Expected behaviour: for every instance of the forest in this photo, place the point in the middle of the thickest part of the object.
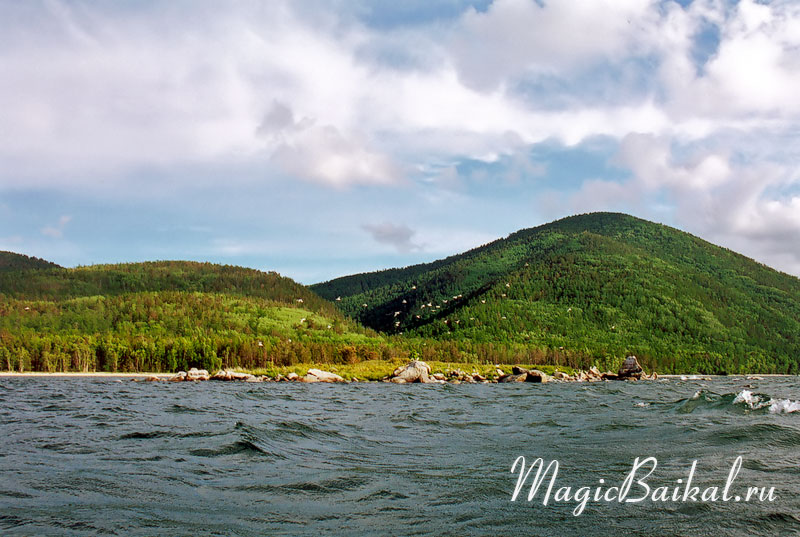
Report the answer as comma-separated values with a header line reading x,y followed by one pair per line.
x,y
594,287
582,291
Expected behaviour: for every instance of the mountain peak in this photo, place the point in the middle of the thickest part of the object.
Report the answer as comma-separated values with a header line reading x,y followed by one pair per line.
x,y
589,286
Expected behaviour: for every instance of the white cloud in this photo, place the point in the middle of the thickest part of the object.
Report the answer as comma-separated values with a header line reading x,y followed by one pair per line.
x,y
514,37
396,235
57,231
96,96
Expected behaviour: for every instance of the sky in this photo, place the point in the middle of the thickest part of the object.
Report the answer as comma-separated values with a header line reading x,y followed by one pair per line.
x,y
320,138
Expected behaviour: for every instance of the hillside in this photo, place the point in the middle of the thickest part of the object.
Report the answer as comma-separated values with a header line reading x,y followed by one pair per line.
x,y
589,288
9,261
166,315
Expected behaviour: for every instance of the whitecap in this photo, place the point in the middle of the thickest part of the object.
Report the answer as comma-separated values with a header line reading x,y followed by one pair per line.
x,y
753,401
783,406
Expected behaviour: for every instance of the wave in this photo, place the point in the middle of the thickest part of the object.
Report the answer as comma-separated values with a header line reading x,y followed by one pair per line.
x,y
757,402
745,401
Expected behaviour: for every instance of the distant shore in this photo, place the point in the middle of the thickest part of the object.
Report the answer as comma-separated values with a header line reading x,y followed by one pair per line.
x,y
33,374
81,374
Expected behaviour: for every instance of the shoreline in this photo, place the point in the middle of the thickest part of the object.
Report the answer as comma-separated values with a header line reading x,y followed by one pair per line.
x,y
80,374
99,374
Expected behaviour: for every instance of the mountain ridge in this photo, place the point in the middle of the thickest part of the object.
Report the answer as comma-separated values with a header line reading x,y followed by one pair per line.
x,y
597,284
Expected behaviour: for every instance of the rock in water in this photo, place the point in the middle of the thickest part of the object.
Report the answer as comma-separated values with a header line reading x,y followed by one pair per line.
x,y
414,371
630,368
522,377
534,375
197,374
317,375
227,374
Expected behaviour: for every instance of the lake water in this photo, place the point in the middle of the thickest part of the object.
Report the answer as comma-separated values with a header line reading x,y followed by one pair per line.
x,y
103,457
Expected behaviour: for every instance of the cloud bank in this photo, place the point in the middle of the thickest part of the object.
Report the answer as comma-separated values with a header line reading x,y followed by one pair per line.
x,y
696,100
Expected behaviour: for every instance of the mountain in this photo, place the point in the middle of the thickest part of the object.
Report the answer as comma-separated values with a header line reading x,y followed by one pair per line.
x,y
166,315
592,287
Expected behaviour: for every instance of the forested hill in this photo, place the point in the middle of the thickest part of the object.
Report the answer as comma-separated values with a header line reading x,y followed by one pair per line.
x,y
9,261
164,316
595,285
51,282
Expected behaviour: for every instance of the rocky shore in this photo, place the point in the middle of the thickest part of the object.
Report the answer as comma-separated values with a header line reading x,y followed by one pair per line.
x,y
417,371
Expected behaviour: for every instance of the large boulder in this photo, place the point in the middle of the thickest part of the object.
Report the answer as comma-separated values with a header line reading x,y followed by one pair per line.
x,y
630,369
317,375
534,375
414,371
178,377
520,374
197,374
521,377
227,374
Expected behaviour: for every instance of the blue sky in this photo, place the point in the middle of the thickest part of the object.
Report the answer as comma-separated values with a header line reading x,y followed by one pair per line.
x,y
321,138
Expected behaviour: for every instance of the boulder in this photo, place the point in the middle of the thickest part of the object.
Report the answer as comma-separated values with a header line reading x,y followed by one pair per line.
x,y
439,376
152,378
221,375
630,368
517,370
317,375
197,374
180,376
522,377
227,374
292,376
534,375
414,371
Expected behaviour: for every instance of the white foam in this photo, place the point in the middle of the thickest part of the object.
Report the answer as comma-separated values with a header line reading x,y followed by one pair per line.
x,y
783,406
776,406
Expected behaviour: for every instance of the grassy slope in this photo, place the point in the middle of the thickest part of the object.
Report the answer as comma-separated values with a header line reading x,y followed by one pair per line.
x,y
599,284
